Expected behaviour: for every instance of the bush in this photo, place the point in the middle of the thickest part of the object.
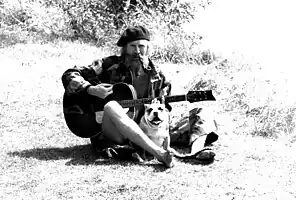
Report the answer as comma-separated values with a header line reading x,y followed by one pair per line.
x,y
101,23
26,20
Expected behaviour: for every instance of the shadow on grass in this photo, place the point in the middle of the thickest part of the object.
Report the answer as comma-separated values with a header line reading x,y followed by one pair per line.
x,y
83,155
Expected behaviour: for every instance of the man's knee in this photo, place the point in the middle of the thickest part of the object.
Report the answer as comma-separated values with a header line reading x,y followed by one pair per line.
x,y
111,106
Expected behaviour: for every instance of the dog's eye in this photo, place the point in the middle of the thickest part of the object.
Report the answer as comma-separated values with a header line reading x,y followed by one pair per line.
x,y
149,110
160,108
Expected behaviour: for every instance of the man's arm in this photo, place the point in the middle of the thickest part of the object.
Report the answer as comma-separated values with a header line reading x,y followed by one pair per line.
x,y
166,86
80,78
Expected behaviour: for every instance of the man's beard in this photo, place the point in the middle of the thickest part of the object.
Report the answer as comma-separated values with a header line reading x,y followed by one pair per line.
x,y
137,63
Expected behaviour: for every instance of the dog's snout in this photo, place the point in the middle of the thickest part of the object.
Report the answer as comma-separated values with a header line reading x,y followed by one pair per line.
x,y
155,114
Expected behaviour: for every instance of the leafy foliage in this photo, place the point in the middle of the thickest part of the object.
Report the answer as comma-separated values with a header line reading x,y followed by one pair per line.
x,y
101,23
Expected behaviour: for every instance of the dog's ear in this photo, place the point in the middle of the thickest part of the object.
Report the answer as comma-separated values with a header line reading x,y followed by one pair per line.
x,y
146,106
162,100
168,107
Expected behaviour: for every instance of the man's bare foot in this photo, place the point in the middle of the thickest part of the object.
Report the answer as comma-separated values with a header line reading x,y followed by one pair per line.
x,y
166,158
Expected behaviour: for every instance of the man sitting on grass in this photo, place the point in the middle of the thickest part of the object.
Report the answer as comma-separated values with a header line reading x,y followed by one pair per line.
x,y
133,67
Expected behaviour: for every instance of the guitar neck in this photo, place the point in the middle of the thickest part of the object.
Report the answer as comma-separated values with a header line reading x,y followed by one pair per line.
x,y
138,102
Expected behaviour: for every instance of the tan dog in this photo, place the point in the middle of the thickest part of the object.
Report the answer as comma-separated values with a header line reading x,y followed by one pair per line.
x,y
155,124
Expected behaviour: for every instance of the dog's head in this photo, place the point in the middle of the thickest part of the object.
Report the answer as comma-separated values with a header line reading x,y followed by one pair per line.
x,y
156,113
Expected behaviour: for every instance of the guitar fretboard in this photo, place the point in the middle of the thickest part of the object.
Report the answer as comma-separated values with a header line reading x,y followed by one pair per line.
x,y
138,102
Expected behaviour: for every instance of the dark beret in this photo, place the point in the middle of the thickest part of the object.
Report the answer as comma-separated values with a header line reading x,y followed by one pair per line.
x,y
132,34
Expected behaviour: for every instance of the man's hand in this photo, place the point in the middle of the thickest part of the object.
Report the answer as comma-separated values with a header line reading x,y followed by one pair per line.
x,y
101,90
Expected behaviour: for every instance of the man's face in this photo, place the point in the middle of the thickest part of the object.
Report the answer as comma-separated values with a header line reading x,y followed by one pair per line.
x,y
137,48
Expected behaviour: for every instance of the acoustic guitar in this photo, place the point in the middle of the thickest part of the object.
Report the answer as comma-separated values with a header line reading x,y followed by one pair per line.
x,y
83,112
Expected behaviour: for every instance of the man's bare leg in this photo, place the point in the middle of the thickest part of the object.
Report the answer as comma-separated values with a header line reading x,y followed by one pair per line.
x,y
118,127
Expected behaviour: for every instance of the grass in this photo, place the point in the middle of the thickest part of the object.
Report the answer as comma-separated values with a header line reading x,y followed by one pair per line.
x,y
42,159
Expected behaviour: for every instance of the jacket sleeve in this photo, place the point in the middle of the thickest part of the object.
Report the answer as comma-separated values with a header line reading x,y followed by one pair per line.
x,y
166,86
166,90
77,79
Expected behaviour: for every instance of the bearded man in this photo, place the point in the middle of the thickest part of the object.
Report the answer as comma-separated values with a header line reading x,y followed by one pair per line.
x,y
133,67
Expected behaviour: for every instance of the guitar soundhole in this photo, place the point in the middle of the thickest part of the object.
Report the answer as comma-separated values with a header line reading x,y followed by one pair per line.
x,y
122,91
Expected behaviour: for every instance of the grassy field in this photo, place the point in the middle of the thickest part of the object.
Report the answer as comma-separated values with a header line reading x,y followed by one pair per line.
x,y
42,159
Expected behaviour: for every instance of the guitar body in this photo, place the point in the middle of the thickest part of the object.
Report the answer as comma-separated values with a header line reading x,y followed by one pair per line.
x,y
80,110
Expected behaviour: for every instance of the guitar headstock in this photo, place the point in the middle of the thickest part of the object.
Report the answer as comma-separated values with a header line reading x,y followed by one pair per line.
x,y
195,96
